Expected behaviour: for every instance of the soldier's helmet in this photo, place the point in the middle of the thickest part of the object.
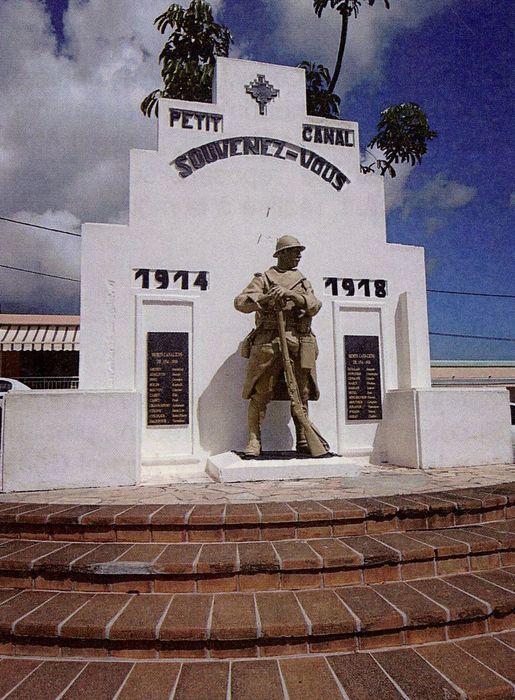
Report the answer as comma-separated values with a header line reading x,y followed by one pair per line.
x,y
287,242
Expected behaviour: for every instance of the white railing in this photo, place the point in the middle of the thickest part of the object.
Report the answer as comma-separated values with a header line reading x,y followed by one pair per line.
x,y
50,382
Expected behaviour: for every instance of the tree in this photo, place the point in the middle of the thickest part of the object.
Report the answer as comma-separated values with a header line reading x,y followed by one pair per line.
x,y
403,130
402,134
320,101
346,8
189,54
195,40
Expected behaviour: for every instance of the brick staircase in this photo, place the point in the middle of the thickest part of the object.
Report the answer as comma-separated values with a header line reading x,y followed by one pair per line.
x,y
391,597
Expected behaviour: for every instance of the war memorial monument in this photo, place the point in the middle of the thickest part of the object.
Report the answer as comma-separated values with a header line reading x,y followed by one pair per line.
x,y
163,382
251,319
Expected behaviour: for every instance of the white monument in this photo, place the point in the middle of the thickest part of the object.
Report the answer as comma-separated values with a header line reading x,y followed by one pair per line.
x,y
158,326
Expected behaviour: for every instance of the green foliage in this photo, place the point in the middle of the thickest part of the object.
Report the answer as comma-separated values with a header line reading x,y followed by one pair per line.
x,y
195,39
320,102
403,131
402,134
189,54
344,7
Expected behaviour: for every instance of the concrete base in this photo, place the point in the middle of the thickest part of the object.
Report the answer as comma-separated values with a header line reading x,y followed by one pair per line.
x,y
70,439
431,428
229,467
187,469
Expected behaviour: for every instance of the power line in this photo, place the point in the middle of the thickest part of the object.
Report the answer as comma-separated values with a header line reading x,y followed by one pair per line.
x,y
43,274
45,228
447,335
480,337
435,291
472,294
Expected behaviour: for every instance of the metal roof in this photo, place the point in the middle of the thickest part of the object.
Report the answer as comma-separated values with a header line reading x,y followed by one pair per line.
x,y
472,363
31,332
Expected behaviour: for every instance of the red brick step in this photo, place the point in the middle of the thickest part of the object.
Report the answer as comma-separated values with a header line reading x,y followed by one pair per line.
x,y
474,668
251,566
265,623
258,521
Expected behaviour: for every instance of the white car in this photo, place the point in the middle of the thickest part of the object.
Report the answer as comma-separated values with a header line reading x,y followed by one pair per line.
x,y
10,384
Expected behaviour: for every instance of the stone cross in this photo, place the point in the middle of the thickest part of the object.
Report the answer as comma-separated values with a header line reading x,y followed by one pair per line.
x,y
262,91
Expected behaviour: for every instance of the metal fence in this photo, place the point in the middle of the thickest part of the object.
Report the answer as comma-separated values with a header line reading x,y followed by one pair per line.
x,y
50,382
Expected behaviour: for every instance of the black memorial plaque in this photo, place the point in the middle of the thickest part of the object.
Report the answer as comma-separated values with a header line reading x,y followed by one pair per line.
x,y
168,396
363,377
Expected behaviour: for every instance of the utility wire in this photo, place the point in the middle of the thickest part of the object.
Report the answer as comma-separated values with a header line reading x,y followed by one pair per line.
x,y
480,337
43,274
472,294
45,228
435,291
447,335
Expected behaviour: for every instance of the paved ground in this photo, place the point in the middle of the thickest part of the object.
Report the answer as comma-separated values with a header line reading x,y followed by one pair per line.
x,y
197,487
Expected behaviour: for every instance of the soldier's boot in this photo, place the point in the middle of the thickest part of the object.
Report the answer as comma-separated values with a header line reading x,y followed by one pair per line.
x,y
256,416
301,442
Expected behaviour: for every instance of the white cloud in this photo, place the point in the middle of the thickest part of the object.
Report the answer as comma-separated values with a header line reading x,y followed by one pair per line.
x,y
437,193
63,220
69,117
43,252
308,37
434,223
395,188
437,196
68,121
241,49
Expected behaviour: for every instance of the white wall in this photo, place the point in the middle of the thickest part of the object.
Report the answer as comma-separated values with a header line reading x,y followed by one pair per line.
x,y
224,218
431,428
69,439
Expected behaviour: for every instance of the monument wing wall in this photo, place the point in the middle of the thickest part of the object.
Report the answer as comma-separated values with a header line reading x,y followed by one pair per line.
x,y
227,179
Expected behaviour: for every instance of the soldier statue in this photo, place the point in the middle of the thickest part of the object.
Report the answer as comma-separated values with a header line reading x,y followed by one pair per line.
x,y
282,287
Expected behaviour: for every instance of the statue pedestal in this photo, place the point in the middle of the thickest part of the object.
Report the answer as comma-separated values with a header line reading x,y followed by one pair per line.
x,y
276,466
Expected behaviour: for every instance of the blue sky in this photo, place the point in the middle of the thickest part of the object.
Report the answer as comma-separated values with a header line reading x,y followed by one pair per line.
x,y
95,60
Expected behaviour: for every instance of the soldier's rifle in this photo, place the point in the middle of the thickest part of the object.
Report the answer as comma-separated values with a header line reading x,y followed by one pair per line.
x,y
316,443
